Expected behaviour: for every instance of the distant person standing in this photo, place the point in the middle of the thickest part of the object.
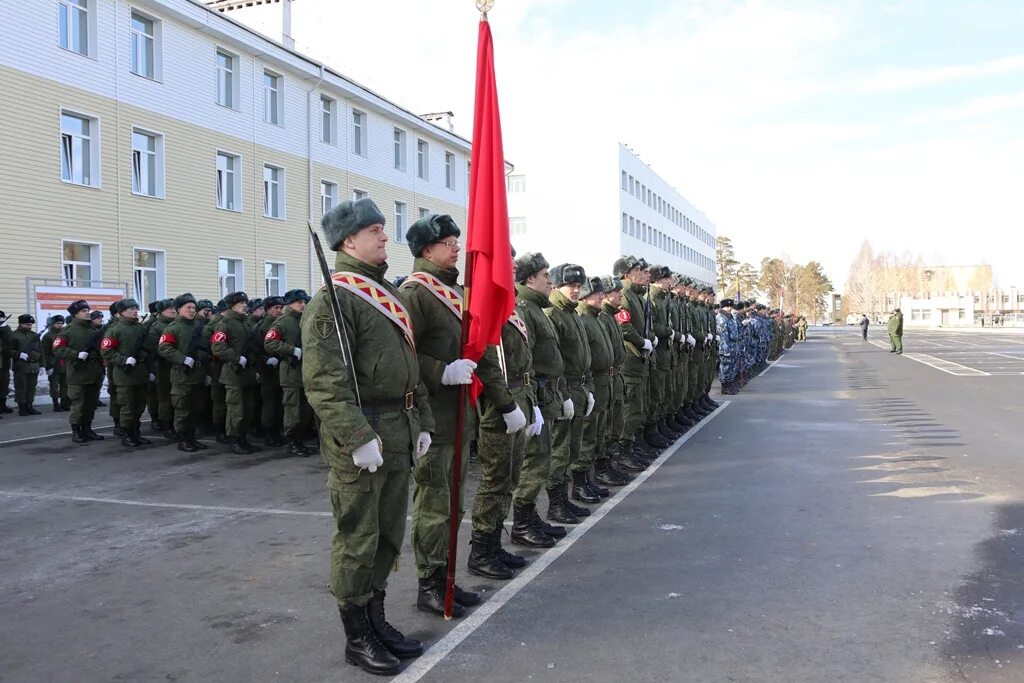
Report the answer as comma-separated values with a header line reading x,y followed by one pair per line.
x,y
896,331
864,322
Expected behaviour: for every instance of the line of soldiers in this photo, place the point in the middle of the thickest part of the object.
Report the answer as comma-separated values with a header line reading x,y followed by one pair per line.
x,y
593,379
751,335
234,369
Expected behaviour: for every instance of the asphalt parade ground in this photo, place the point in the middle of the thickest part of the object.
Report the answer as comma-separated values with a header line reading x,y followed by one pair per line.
x,y
851,515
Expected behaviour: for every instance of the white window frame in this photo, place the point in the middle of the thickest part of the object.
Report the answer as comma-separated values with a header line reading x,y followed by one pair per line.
x,y
238,275
273,98
359,122
328,120
424,212
422,159
159,271
67,147
449,170
236,185
328,190
95,263
67,10
401,221
232,89
281,279
137,38
279,188
358,194
399,136
516,184
158,163
517,225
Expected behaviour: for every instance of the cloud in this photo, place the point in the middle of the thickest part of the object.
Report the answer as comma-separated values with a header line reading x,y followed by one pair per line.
x,y
974,108
895,80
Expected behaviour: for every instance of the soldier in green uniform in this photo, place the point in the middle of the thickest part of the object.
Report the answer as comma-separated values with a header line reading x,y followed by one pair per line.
x,y
895,328
158,370
152,401
124,350
602,359
5,363
257,317
801,329
180,346
218,408
232,344
55,372
707,376
79,346
661,318
114,405
375,421
611,312
283,341
433,298
201,417
533,288
25,353
269,409
685,342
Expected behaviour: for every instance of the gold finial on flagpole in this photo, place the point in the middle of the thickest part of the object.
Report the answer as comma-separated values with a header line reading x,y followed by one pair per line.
x,y
484,6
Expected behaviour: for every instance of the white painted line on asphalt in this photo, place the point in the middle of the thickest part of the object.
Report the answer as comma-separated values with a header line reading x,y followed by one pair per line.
x,y
439,650
938,363
173,506
1004,355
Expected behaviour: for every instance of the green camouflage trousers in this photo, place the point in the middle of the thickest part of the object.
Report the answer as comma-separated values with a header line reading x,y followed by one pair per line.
x,y
501,457
270,405
431,500
634,407
131,400
25,387
693,374
58,386
114,404
297,413
680,381
567,439
241,408
896,342
183,401
613,419
659,391
84,398
592,443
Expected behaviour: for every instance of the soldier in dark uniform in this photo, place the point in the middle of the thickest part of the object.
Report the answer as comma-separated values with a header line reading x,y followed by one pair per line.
x,y
375,421
181,347
619,454
160,370
25,353
283,341
124,351
56,375
232,343
5,363
79,346
269,411
201,417
218,408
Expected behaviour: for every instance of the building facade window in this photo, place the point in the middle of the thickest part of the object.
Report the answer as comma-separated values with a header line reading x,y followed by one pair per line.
x,y
517,225
422,157
401,220
230,276
145,46
516,184
74,25
328,120
399,137
449,170
80,263
625,223
424,212
227,79
328,195
147,163
273,192
273,98
625,180
229,182
149,275
358,133
275,281
359,194
79,149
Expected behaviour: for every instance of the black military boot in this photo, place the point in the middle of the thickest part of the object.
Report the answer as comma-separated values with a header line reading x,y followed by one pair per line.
x,y
239,446
297,449
389,636
713,402
137,433
89,434
525,531
691,412
558,511
65,403
32,409
128,438
580,490
466,598
362,648
169,433
655,440
681,418
577,510
595,488
4,408
483,559
670,434
626,461
250,445
508,559
553,530
607,475
193,442
76,434
185,445
56,406
430,597
275,439
22,410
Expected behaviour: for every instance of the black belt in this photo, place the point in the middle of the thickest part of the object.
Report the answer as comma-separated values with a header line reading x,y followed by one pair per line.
x,y
519,383
603,373
389,405
576,382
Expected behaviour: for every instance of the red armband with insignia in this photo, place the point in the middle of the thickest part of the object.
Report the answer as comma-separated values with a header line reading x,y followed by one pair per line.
x,y
167,338
219,336
59,342
109,343
271,335
623,317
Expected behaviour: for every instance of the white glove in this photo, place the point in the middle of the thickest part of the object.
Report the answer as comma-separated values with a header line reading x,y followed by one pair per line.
x,y
690,340
189,361
422,444
130,361
568,409
297,352
538,423
272,362
49,372
514,421
655,341
23,356
458,372
152,377
746,321
648,347
368,457
83,355
242,361
672,336
209,380
590,404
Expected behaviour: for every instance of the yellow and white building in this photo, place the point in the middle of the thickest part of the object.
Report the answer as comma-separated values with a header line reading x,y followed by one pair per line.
x,y
161,146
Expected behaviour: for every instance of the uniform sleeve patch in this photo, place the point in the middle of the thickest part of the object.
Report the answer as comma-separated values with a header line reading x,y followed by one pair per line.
x,y
59,342
324,326
218,336
623,317
108,343
168,338
272,335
